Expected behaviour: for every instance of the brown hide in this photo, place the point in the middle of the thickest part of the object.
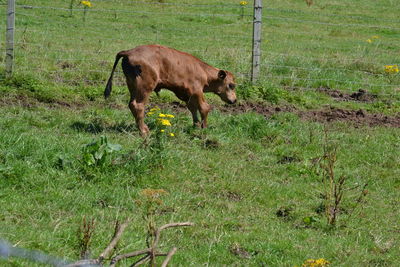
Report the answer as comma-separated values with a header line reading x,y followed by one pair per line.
x,y
150,68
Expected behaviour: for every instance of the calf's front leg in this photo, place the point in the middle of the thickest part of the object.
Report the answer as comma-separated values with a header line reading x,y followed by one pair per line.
x,y
204,109
193,108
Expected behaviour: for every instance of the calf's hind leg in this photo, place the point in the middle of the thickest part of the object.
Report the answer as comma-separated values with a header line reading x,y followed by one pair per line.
x,y
139,97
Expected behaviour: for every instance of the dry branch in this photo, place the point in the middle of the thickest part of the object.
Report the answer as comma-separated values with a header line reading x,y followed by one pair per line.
x,y
149,254
119,229
169,256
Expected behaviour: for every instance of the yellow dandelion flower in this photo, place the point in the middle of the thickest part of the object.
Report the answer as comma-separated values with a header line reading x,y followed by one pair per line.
x,y
86,3
315,263
243,3
369,41
161,115
164,122
150,113
154,109
171,134
162,131
375,37
391,68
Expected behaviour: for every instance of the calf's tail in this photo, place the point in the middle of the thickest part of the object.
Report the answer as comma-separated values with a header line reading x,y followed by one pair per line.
x,y
108,89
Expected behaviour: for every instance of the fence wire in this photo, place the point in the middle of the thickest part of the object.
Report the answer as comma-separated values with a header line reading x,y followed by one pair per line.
x,y
300,48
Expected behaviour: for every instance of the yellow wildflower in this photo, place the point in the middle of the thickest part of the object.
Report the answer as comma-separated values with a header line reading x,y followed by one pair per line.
x,y
171,134
86,3
369,41
391,68
375,37
161,115
162,130
243,3
150,113
164,122
154,109
316,263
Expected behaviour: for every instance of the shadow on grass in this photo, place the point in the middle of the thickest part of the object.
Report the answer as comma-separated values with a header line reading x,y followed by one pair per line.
x,y
96,127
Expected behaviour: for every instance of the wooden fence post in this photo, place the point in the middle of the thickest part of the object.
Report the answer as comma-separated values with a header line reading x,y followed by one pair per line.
x,y
256,58
10,37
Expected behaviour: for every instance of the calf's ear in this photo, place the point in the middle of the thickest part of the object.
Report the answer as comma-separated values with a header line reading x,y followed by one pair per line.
x,y
221,74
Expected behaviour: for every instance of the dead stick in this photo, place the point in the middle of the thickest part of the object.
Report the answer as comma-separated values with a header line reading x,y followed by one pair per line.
x,y
128,255
169,256
141,261
158,231
117,236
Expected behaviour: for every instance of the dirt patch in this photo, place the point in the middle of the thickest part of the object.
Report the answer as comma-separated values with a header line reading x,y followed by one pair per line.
x,y
355,117
260,108
325,115
361,95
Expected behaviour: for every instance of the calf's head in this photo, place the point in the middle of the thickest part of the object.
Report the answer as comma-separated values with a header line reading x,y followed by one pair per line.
x,y
224,87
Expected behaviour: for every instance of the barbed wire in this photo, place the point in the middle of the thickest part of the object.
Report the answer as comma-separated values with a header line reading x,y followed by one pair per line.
x,y
183,4
272,76
335,15
366,83
311,22
161,37
239,22
119,81
216,14
189,36
99,51
131,11
324,57
271,64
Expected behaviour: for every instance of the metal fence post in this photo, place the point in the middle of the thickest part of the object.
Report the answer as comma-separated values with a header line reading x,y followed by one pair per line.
x,y
256,57
10,37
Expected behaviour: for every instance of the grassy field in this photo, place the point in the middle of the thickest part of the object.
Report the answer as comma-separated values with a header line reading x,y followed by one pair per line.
x,y
254,186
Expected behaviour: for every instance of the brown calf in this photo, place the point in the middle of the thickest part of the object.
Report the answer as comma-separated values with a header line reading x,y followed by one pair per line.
x,y
150,68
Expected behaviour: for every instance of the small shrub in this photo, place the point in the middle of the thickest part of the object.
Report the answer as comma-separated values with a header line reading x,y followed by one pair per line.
x,y
97,152
334,185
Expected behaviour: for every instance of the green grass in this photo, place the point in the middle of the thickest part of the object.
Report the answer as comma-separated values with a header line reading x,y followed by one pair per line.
x,y
230,179
231,190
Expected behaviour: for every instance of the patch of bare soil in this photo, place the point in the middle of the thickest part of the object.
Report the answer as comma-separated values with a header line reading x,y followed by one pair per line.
x,y
361,95
260,108
326,114
355,117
